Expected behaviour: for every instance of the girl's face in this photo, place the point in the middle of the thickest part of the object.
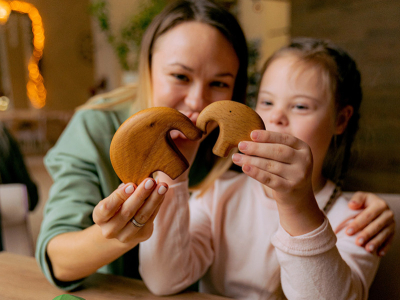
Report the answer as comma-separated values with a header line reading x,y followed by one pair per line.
x,y
293,99
193,65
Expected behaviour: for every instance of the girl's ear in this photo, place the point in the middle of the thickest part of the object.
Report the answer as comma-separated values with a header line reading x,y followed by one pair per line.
x,y
343,119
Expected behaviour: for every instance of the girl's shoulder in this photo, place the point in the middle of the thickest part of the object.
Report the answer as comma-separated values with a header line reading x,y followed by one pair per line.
x,y
340,214
240,184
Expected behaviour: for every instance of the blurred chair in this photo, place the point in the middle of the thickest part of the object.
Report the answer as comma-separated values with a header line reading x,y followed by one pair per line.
x,y
387,280
16,234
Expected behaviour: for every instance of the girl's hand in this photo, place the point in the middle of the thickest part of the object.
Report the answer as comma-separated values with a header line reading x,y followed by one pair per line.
x,y
279,161
284,164
376,222
114,214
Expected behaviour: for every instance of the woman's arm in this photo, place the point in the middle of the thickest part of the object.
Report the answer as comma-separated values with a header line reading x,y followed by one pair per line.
x,y
80,167
78,254
376,223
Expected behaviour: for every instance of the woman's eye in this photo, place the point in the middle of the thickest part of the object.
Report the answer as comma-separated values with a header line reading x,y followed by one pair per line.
x,y
181,77
219,84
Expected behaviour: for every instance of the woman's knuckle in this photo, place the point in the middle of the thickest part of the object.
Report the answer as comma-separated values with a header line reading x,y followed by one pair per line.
x,y
125,214
142,217
108,234
123,239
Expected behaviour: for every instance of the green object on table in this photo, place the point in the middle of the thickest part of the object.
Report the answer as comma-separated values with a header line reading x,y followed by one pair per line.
x,y
68,297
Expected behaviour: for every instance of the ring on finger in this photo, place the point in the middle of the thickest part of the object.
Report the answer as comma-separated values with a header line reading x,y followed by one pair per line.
x,y
136,223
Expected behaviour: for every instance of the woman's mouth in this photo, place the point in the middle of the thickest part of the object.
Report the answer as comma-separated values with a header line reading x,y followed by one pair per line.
x,y
175,134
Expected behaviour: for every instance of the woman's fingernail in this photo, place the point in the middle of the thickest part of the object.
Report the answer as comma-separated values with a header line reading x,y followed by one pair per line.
x,y
371,248
162,190
236,158
242,146
129,189
149,184
246,168
254,135
382,253
350,231
360,241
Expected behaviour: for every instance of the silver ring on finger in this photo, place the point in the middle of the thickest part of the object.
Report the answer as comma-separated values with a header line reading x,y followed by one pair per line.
x,y
136,223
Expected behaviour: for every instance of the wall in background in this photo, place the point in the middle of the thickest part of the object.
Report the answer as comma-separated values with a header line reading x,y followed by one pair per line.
x,y
267,21
107,66
370,31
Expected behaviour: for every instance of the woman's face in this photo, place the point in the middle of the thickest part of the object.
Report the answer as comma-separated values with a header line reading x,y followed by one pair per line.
x,y
193,65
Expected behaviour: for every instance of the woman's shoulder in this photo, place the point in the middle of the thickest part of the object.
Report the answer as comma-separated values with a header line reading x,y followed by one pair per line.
x,y
102,117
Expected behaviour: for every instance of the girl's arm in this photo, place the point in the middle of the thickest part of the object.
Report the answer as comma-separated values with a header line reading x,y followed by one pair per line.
x,y
311,265
78,254
283,164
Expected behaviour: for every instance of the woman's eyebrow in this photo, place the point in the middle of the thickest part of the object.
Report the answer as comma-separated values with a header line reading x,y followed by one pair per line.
x,y
182,66
225,74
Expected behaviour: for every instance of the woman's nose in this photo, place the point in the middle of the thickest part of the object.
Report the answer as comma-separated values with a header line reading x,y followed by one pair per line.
x,y
196,98
279,117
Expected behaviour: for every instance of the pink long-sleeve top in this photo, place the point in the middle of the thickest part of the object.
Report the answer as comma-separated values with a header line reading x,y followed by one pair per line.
x,y
232,241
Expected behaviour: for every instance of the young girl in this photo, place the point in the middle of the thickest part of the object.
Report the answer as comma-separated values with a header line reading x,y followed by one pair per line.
x,y
263,234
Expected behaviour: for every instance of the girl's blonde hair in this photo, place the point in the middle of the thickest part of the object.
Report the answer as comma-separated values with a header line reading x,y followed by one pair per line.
x,y
178,12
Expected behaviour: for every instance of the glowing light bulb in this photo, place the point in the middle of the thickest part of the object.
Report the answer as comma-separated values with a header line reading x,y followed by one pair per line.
x,y
5,11
4,102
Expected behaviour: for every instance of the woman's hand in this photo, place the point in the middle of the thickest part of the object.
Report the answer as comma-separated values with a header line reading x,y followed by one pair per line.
x,y
283,163
376,222
117,213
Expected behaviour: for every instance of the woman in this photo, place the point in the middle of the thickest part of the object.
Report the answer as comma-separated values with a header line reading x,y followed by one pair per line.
x,y
193,53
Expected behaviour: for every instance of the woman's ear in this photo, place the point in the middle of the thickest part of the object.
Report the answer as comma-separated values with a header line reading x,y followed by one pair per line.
x,y
343,118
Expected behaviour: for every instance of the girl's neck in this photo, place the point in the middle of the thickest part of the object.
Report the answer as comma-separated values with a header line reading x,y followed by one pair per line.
x,y
318,185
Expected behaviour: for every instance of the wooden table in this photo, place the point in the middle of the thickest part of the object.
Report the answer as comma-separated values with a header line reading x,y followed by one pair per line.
x,y
21,278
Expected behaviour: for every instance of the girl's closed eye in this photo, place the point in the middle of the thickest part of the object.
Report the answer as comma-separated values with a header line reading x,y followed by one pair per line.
x,y
301,107
266,102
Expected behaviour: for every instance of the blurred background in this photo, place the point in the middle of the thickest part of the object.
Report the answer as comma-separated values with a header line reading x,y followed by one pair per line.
x,y
54,55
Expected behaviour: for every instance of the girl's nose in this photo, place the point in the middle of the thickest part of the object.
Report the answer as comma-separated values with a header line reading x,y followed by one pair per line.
x,y
278,117
196,99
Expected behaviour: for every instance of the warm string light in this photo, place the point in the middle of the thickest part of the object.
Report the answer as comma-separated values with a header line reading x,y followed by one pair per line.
x,y
5,11
35,88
